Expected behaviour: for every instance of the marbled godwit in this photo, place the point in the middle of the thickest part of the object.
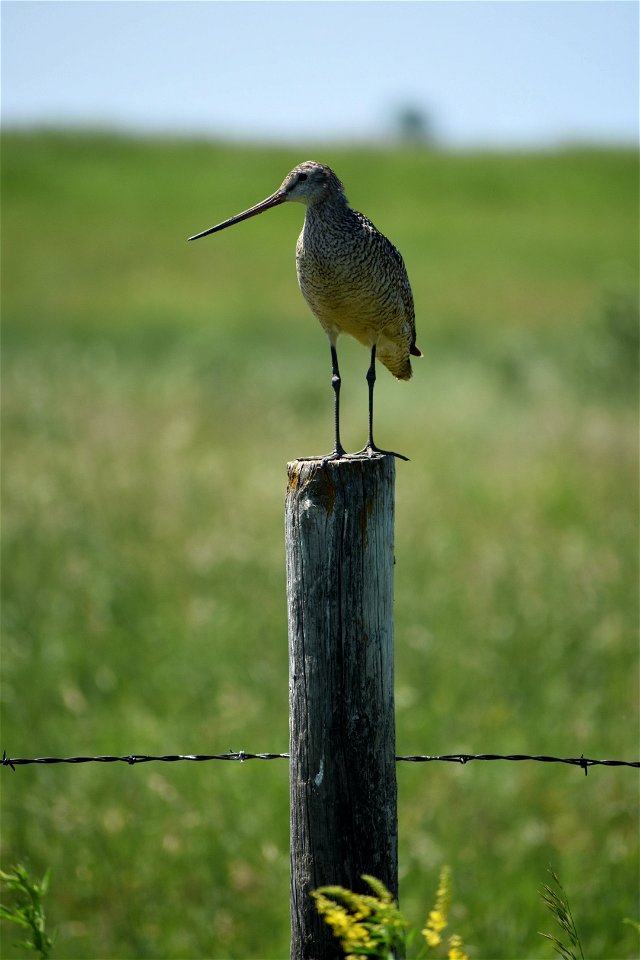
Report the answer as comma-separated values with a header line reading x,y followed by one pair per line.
x,y
352,277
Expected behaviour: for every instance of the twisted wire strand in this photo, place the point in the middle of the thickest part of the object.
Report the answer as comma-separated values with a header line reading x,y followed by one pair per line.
x,y
241,756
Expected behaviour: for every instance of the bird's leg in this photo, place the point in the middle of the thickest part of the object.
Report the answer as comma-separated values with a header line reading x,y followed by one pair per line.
x,y
371,449
338,450
371,380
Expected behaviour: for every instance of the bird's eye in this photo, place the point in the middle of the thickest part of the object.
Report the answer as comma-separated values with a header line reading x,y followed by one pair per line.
x,y
301,177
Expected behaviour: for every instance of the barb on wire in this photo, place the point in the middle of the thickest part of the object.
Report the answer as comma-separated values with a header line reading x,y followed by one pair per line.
x,y
240,755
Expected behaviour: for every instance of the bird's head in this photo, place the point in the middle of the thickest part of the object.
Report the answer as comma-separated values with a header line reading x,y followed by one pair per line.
x,y
307,183
310,182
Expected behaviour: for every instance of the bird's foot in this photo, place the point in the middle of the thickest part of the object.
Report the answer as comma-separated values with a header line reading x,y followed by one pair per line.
x,y
371,451
338,454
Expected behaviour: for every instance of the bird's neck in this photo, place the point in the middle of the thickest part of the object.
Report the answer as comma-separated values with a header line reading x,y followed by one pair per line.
x,y
329,213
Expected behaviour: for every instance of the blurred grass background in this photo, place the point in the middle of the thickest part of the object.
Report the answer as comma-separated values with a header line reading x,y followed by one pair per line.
x,y
153,391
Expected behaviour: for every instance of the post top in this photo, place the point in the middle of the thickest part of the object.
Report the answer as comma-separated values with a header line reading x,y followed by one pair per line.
x,y
353,473
340,462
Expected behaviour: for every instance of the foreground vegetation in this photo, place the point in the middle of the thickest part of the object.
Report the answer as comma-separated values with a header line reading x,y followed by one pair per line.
x,y
153,391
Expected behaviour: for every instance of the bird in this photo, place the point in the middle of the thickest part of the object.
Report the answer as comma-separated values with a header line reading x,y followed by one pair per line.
x,y
353,279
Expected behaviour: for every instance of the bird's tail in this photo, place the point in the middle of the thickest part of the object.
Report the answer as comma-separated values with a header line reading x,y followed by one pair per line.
x,y
400,367
397,361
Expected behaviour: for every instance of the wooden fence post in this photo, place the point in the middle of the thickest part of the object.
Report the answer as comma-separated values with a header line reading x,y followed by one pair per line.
x,y
339,540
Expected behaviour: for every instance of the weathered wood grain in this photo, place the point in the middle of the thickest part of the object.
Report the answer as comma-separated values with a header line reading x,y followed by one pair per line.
x,y
339,543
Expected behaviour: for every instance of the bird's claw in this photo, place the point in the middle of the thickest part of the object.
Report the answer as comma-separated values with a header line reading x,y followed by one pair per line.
x,y
338,454
371,451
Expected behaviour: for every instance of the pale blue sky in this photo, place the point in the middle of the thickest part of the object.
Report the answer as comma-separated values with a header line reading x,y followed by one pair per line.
x,y
491,73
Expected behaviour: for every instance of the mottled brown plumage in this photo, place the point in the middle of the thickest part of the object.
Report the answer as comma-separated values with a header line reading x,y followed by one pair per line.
x,y
352,277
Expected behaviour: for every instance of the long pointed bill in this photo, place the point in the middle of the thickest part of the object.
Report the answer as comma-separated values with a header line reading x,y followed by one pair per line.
x,y
273,201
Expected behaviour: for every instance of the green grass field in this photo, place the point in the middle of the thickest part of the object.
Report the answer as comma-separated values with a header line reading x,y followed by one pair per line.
x,y
153,391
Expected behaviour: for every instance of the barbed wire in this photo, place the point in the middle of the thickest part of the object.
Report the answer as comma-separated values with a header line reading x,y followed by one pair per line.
x,y
241,756
583,762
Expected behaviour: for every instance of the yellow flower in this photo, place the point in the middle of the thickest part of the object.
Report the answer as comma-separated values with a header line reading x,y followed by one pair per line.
x,y
373,925
437,919
378,887
339,920
456,948
443,896
364,924
352,934
432,939
356,936
363,911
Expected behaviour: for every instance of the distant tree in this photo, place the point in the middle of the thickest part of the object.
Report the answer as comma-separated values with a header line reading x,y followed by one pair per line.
x,y
414,125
